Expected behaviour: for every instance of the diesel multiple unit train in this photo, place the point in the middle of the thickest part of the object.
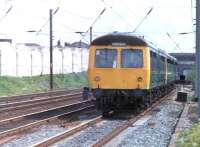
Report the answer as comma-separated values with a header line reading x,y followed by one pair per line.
x,y
124,70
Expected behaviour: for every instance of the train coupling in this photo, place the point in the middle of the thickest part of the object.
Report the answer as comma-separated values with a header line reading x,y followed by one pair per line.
x,y
86,93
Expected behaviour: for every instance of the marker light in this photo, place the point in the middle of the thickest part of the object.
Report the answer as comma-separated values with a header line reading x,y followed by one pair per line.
x,y
97,78
139,79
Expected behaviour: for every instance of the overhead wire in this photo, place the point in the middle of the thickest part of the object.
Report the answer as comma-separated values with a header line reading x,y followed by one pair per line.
x,y
6,13
148,13
86,32
121,17
77,15
176,44
98,17
57,9
70,28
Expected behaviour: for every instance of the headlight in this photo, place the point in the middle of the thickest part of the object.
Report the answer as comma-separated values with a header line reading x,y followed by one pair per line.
x,y
139,79
97,78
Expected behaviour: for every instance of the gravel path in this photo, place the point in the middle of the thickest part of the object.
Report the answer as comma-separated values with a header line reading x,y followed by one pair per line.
x,y
90,135
155,131
45,131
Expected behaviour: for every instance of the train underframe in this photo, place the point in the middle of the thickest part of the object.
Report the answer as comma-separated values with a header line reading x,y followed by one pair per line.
x,y
117,99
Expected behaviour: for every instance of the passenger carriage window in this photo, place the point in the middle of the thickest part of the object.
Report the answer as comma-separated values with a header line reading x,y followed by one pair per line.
x,y
132,58
106,58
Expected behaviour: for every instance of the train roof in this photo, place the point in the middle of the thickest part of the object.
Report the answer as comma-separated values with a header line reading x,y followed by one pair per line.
x,y
162,53
127,39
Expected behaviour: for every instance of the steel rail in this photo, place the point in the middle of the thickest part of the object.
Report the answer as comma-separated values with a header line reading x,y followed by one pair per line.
x,y
30,103
67,133
5,121
105,139
23,128
8,99
128,123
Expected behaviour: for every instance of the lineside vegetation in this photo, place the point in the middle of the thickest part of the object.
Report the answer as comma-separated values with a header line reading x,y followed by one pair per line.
x,y
190,138
24,85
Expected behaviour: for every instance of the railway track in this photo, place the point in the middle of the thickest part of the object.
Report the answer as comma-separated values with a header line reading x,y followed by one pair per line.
x,y
47,112
104,139
128,123
16,109
30,121
179,126
68,133
35,102
25,97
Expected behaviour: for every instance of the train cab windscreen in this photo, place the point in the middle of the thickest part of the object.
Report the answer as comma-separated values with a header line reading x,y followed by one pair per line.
x,y
106,58
132,58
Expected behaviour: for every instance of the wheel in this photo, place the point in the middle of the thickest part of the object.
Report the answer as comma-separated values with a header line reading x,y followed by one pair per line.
x,y
146,102
150,99
98,103
105,114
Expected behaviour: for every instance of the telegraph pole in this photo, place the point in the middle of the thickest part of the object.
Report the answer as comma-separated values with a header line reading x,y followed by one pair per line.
x,y
62,54
51,48
90,35
0,63
17,61
81,49
31,55
72,60
198,53
42,61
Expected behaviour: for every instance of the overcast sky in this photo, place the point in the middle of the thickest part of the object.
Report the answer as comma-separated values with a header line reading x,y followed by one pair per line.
x,y
168,16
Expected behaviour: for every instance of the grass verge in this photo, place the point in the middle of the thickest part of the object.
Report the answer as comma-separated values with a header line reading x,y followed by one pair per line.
x,y
190,138
23,85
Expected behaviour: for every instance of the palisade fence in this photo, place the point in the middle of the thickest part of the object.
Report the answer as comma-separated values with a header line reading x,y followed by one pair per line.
x,y
33,59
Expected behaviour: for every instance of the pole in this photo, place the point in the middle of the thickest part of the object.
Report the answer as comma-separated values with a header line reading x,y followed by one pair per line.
x,y
62,61
198,53
81,59
72,60
42,62
90,35
16,61
51,48
80,45
0,63
31,64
